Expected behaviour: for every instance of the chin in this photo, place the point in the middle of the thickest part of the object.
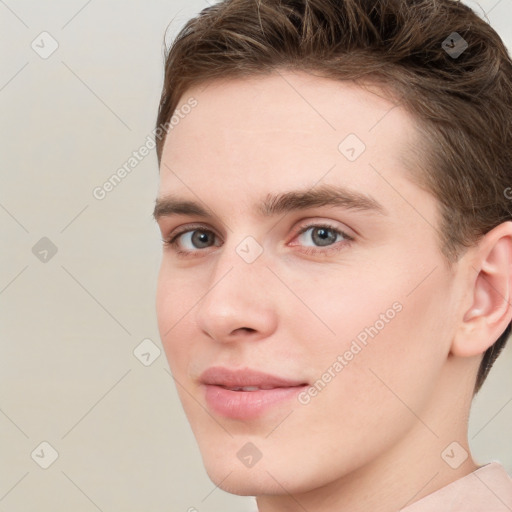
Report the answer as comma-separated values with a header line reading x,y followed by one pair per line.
x,y
254,481
277,471
243,483
238,466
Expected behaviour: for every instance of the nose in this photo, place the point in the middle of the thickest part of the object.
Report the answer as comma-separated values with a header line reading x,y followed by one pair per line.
x,y
238,303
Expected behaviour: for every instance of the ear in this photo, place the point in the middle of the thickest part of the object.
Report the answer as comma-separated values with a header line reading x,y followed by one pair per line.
x,y
490,310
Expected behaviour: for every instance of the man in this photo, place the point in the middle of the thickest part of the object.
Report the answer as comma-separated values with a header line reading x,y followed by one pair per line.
x,y
336,274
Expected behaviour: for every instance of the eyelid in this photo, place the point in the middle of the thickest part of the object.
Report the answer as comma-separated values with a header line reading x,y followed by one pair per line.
x,y
304,226
189,227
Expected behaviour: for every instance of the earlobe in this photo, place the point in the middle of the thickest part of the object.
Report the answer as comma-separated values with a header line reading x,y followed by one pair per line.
x,y
490,309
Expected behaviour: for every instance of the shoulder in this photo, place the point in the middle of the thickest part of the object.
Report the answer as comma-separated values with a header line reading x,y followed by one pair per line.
x,y
489,489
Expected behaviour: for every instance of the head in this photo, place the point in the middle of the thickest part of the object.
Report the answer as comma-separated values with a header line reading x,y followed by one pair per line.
x,y
370,99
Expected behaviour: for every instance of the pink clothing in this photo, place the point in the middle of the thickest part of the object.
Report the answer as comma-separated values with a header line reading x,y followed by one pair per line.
x,y
487,489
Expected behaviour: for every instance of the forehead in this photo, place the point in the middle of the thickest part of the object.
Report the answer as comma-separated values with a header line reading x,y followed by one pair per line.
x,y
284,130
284,101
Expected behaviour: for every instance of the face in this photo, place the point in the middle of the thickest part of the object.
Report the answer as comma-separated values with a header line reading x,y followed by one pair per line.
x,y
305,291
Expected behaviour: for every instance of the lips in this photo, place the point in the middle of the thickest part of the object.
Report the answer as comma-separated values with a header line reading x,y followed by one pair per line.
x,y
246,393
246,388
245,378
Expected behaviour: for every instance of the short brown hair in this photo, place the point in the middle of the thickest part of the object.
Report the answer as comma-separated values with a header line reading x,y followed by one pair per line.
x,y
462,103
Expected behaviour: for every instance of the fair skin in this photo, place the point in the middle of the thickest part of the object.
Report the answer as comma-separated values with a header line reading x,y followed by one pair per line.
x,y
372,438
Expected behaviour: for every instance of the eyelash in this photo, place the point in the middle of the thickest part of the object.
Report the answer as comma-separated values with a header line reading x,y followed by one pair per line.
x,y
173,241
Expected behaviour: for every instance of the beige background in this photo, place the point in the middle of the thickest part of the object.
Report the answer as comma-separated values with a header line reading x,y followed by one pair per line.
x,y
69,325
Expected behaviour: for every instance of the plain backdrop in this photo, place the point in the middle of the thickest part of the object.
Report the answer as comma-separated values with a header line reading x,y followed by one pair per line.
x,y
78,274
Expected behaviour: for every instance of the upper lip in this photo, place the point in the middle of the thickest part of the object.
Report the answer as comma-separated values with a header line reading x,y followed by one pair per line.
x,y
243,377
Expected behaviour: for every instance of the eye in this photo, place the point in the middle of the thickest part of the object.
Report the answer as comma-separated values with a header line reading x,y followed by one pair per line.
x,y
322,235
198,238
186,242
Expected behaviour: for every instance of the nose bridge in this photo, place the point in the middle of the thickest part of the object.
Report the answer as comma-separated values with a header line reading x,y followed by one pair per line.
x,y
242,257
238,295
239,271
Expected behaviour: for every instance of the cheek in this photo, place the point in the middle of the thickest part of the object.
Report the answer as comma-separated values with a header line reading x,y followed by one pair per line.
x,y
388,322
342,304
174,302
164,302
176,294
393,344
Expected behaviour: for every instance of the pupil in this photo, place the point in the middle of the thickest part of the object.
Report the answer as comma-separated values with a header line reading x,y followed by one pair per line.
x,y
324,236
201,238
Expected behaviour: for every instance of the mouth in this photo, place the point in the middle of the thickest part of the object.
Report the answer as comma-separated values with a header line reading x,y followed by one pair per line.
x,y
248,388
245,394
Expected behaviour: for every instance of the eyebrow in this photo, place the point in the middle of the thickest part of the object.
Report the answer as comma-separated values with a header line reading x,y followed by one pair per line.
x,y
277,204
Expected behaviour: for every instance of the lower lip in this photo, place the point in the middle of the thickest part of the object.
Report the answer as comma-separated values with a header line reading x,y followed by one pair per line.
x,y
244,405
